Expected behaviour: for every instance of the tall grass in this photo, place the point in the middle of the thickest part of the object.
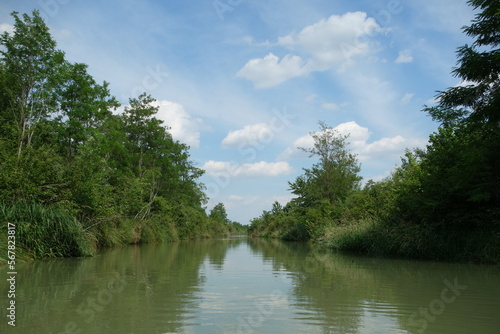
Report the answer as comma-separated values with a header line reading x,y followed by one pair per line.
x,y
45,231
126,231
51,231
413,241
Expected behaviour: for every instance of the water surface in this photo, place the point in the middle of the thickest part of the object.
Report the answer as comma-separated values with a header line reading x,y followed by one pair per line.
x,y
241,285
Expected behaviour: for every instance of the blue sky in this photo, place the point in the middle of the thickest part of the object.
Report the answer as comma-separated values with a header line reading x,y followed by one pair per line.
x,y
243,82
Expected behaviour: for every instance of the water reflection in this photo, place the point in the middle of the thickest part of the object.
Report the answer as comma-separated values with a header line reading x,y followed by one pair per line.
x,y
350,294
240,285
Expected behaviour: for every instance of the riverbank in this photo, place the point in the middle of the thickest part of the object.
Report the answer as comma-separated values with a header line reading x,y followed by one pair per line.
x,y
383,238
36,231
412,242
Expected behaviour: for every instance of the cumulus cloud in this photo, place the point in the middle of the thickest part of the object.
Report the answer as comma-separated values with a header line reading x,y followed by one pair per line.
x,y
328,43
180,124
271,71
250,135
183,127
404,57
392,147
262,168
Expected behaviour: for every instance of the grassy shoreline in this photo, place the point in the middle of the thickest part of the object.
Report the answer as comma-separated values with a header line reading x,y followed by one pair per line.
x,y
375,238
413,242
52,232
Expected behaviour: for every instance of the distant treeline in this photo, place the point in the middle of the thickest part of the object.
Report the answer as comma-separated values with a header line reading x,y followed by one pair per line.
x,y
442,203
74,174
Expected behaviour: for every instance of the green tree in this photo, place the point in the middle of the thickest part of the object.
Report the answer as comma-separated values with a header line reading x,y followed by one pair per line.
x,y
323,189
478,100
160,164
83,107
334,176
458,180
32,69
122,176
219,214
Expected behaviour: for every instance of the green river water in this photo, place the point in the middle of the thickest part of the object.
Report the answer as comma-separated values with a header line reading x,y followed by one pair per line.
x,y
241,285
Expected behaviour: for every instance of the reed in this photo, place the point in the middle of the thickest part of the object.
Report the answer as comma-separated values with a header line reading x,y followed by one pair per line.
x,y
413,241
45,231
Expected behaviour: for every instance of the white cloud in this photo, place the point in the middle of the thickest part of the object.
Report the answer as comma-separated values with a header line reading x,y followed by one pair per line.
x,y
271,71
262,168
334,40
328,43
407,98
404,57
250,135
182,126
5,27
358,140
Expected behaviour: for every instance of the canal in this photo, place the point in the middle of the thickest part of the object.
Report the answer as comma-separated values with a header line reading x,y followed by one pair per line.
x,y
242,285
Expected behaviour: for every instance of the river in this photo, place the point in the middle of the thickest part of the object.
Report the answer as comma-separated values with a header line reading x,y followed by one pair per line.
x,y
241,285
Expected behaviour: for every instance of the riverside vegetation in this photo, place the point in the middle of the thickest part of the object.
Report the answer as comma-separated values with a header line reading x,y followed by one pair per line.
x,y
441,203
74,174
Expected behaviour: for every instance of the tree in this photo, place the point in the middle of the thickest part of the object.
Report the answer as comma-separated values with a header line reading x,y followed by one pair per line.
x,y
334,176
478,100
218,213
83,106
459,183
32,65
61,145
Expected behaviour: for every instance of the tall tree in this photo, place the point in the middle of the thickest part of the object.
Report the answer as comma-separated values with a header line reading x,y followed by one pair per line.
x,y
458,184
218,213
336,173
478,99
32,64
83,106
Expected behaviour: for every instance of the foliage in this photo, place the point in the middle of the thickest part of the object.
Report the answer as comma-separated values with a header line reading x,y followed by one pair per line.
x,y
218,213
460,184
441,203
122,178
334,176
479,68
322,191
45,231
236,228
